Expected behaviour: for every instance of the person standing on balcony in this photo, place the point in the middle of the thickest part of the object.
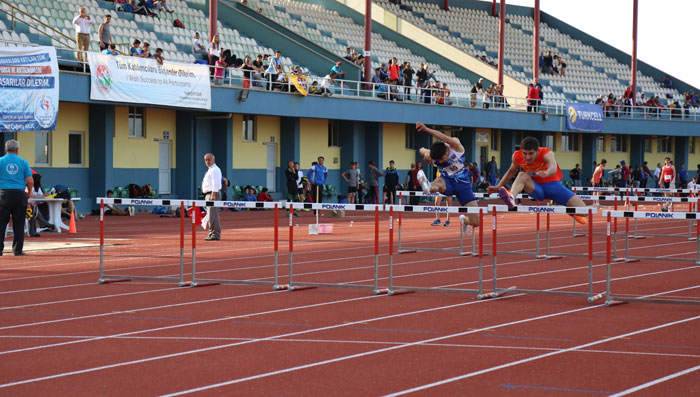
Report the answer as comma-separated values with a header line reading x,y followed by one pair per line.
x,y
104,33
82,24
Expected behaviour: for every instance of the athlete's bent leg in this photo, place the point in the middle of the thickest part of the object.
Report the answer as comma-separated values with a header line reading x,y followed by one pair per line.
x,y
438,186
522,182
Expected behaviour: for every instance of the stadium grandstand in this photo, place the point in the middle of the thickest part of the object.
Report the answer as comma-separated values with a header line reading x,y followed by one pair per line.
x,y
254,124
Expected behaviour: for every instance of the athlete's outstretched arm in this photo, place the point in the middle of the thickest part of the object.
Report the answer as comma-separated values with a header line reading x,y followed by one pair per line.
x,y
510,174
551,166
426,155
454,142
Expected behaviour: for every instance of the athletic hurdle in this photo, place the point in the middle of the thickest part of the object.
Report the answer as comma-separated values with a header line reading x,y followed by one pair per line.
x,y
440,210
612,299
110,278
293,285
399,209
496,209
198,280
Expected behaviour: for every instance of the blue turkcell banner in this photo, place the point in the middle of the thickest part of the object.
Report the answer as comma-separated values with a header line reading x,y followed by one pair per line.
x,y
584,117
28,89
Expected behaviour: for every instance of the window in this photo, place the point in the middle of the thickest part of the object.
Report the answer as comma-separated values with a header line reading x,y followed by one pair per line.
x,y
519,136
663,144
410,136
136,124
75,148
333,133
647,144
41,148
250,130
600,144
569,142
494,140
691,145
618,143
549,142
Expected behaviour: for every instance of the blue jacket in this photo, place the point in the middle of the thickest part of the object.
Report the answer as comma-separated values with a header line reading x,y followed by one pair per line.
x,y
317,174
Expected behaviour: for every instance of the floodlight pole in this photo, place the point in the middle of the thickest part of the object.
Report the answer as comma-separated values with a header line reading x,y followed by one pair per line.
x,y
213,17
493,8
536,42
501,40
368,40
446,5
635,10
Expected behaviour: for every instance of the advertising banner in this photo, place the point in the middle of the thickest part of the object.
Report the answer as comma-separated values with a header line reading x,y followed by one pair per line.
x,y
28,89
584,117
143,80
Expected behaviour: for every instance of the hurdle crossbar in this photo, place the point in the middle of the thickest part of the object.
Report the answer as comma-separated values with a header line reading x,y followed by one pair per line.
x,y
633,189
611,299
548,210
113,278
395,289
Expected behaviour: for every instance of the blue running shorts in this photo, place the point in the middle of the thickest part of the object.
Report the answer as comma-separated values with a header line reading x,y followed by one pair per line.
x,y
461,188
551,191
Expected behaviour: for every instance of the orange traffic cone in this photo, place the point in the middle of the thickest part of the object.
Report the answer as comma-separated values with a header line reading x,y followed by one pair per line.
x,y
71,228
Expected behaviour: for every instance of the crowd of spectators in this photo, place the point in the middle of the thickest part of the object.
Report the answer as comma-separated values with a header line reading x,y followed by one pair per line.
x,y
492,96
621,106
552,64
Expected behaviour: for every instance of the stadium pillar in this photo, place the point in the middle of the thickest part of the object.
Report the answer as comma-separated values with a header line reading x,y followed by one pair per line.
x,y
536,42
501,40
636,150
588,155
508,143
352,143
186,181
213,17
493,8
374,145
101,143
680,154
289,148
368,40
633,80
446,5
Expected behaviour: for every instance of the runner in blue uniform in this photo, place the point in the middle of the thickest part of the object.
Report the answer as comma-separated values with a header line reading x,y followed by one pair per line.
x,y
448,155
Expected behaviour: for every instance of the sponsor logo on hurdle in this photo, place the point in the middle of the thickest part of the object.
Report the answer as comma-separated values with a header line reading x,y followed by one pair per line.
x,y
234,204
333,206
541,209
142,202
660,198
662,215
434,209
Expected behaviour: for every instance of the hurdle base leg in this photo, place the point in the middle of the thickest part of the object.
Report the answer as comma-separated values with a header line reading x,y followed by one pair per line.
x,y
184,284
639,237
111,281
194,284
296,287
578,235
548,257
495,294
402,251
615,303
625,260
393,292
594,298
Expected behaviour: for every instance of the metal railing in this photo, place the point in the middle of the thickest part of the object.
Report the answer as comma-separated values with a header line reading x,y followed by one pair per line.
x,y
236,78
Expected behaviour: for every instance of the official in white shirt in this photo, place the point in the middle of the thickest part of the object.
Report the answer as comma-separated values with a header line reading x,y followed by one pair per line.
x,y
211,185
82,24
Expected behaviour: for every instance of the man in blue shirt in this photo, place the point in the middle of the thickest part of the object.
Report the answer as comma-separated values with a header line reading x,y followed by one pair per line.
x,y
317,175
338,70
15,177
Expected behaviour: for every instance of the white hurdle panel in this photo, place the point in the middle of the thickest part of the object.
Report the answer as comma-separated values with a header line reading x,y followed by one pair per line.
x,y
609,215
632,189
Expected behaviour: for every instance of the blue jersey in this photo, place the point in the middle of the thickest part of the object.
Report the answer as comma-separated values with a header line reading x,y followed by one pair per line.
x,y
14,171
454,166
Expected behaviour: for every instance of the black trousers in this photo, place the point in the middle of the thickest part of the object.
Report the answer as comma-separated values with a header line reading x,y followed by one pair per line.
x,y
13,203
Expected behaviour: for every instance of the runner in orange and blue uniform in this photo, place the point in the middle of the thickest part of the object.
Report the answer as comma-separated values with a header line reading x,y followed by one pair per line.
x,y
540,178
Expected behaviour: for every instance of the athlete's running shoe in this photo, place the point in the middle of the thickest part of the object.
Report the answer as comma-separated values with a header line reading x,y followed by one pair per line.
x,y
447,223
580,219
507,197
435,223
465,226
423,181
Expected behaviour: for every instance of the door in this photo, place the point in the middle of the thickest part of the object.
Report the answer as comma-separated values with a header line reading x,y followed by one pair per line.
x,y
164,167
271,166
483,157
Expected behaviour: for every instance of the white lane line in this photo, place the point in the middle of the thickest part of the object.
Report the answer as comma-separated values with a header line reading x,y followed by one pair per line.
x,y
530,359
347,342
656,381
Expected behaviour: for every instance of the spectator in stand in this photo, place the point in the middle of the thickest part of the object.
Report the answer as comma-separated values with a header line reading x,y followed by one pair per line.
x,y
247,69
408,73
158,56
82,23
325,87
393,69
273,70
575,175
548,63
683,177
258,70
532,98
338,70
317,175
624,175
162,5
600,100
492,170
135,50
667,83
447,92
145,52
562,66
383,73
104,33
541,62
264,196
374,175
198,48
348,54
111,50
214,51
477,89
540,94
488,97
421,78
391,180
